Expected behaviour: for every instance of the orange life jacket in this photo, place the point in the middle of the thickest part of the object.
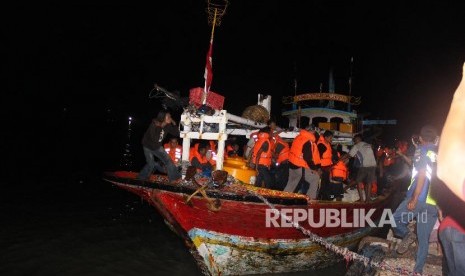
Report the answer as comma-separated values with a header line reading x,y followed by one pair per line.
x,y
284,153
175,153
194,152
326,157
265,156
339,172
296,156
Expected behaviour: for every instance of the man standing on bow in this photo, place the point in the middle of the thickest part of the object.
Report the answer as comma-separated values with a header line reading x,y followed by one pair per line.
x,y
152,143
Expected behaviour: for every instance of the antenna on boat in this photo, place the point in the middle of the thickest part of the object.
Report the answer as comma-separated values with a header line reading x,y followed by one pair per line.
x,y
159,92
350,83
216,9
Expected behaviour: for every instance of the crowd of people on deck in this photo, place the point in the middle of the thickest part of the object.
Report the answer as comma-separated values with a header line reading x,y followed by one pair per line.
x,y
312,165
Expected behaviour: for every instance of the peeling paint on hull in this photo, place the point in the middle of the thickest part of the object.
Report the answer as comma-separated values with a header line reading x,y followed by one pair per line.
x,y
235,255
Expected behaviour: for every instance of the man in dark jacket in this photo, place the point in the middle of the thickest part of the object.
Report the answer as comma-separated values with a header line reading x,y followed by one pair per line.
x,y
152,143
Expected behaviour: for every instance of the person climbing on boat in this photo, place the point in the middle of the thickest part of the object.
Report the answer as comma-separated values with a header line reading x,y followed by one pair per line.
x,y
174,150
326,156
152,141
261,159
280,161
198,158
418,202
304,162
366,173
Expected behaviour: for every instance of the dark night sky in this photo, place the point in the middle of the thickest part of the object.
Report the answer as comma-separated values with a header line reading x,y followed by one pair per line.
x,y
87,58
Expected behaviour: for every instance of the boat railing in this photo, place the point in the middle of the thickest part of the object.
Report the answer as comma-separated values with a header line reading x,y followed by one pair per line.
x,y
213,127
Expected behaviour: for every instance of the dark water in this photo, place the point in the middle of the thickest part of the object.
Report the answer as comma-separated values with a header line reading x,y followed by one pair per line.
x,y
59,218
90,228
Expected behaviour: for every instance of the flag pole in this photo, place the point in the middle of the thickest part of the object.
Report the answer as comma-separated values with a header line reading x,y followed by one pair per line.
x,y
207,89
213,27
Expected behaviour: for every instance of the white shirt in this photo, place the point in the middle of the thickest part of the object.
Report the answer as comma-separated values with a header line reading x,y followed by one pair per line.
x,y
351,195
364,153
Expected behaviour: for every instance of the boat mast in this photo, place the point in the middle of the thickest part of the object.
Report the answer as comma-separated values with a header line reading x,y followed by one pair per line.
x,y
295,78
295,93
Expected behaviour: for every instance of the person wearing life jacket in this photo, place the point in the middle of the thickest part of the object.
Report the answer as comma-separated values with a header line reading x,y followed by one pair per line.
x,y
198,158
261,159
250,144
418,202
338,174
280,161
326,157
174,150
304,162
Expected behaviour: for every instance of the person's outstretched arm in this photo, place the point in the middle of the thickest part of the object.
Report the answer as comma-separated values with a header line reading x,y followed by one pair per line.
x,y
451,154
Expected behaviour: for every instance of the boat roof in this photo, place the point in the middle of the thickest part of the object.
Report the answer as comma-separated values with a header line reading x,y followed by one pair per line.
x,y
319,111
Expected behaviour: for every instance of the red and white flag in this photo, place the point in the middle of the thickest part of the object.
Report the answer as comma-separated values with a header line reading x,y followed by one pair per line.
x,y
208,69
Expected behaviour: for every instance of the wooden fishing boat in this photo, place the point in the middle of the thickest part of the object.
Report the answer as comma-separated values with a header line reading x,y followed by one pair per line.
x,y
225,225
225,228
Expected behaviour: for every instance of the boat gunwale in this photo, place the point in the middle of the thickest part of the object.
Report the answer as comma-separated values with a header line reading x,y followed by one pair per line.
x,y
226,195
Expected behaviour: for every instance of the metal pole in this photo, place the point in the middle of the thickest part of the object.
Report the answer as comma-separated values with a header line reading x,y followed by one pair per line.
x,y
349,106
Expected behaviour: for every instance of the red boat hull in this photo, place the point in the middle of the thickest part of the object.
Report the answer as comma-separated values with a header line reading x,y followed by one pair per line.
x,y
239,230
